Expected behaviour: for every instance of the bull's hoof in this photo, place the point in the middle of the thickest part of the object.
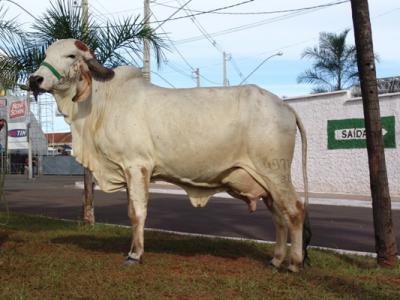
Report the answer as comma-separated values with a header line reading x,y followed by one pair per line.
x,y
132,261
293,268
275,263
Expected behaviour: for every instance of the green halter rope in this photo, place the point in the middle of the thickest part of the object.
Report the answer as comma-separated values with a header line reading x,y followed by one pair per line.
x,y
52,69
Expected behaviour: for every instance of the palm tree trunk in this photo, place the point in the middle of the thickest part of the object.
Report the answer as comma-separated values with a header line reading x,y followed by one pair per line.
x,y
385,241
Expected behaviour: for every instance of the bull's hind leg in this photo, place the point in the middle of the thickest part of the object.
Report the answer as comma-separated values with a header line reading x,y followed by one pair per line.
x,y
137,186
281,232
293,211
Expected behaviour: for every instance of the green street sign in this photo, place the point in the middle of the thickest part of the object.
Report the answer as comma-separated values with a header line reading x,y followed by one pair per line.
x,y
350,133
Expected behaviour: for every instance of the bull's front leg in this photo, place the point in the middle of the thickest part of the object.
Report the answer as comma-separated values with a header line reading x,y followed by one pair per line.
x,y
137,179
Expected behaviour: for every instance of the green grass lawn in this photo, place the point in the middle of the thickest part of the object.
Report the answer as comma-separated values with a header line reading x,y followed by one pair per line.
x,y
43,258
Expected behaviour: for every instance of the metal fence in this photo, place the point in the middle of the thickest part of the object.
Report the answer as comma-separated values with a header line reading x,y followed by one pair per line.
x,y
46,165
61,165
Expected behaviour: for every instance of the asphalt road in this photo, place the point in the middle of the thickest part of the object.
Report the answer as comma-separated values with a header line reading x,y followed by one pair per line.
x,y
349,228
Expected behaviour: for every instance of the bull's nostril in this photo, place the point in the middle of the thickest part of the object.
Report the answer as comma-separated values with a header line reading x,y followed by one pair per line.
x,y
35,81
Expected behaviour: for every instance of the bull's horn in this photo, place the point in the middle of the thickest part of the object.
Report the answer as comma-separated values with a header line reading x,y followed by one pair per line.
x,y
99,72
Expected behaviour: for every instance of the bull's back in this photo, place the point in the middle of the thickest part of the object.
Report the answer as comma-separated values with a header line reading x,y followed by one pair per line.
x,y
212,129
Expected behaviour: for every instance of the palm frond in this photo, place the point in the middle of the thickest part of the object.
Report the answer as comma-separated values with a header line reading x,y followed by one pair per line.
x,y
335,63
8,27
313,77
8,74
125,37
117,42
319,89
24,56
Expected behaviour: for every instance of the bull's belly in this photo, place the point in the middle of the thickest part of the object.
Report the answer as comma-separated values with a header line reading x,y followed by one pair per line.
x,y
236,180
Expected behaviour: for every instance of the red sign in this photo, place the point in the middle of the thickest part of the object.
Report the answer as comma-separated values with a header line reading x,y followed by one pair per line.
x,y
17,109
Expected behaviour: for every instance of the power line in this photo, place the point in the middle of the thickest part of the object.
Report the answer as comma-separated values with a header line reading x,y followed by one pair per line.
x,y
211,40
217,11
170,17
209,81
178,70
21,7
192,15
236,67
99,15
165,80
197,13
173,45
156,2
105,9
247,26
181,56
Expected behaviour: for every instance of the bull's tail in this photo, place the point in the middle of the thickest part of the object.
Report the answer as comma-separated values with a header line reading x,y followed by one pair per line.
x,y
306,225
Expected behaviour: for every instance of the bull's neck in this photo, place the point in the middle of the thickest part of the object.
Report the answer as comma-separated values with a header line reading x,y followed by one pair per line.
x,y
72,111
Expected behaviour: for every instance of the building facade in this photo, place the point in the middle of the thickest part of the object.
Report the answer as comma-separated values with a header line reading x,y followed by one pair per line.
x,y
337,154
21,123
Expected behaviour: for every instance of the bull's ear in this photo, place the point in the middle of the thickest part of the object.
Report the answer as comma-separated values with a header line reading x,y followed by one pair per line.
x,y
98,71
84,86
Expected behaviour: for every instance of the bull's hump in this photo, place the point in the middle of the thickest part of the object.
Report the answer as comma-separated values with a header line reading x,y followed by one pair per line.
x,y
127,72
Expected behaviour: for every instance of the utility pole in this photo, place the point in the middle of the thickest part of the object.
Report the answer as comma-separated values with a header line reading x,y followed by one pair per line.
x,y
39,163
29,135
385,240
146,44
85,19
225,58
88,195
197,74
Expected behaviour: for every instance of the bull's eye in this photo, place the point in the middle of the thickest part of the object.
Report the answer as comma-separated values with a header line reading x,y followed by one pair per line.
x,y
71,56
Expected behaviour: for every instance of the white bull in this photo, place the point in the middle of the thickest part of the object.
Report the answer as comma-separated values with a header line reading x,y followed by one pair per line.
x,y
206,140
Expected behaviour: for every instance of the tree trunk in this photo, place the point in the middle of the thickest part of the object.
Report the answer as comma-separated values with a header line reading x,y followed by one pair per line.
x,y
88,198
385,240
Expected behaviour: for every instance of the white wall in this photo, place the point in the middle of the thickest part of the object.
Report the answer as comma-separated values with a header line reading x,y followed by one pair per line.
x,y
341,170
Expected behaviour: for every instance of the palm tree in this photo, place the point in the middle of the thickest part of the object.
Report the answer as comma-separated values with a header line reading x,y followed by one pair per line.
x,y
335,63
9,30
118,42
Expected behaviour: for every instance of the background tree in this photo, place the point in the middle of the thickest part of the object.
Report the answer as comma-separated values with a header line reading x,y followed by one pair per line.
x,y
335,63
9,29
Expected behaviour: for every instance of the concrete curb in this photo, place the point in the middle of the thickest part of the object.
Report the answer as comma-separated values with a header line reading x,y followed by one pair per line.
x,y
211,236
170,189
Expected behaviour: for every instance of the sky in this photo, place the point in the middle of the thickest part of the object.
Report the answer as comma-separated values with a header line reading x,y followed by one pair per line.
x,y
250,33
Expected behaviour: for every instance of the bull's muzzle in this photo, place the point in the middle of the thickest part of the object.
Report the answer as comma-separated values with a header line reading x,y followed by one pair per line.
x,y
34,85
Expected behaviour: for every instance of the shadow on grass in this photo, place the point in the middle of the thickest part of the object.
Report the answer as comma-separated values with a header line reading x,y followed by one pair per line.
x,y
359,262
336,259
35,222
170,244
348,286
4,237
